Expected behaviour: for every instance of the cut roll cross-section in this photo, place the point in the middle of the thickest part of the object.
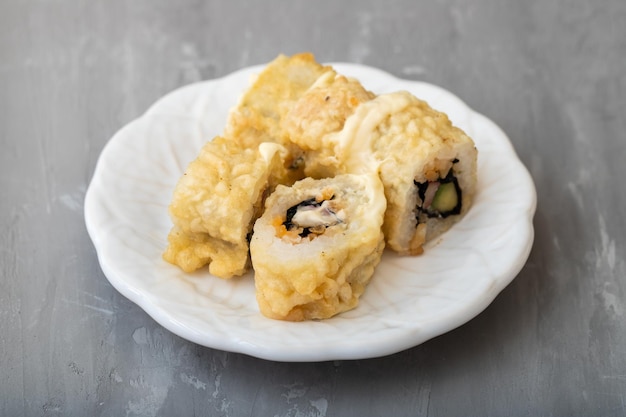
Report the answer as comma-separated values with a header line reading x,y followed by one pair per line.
x,y
315,248
428,167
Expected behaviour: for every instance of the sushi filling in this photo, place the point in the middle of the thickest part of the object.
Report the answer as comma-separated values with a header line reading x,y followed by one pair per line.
x,y
312,217
440,198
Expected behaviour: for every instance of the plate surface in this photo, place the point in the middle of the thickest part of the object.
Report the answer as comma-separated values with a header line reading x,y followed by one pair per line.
x,y
409,299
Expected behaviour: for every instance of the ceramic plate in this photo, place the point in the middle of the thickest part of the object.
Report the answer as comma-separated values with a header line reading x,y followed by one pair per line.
x,y
409,299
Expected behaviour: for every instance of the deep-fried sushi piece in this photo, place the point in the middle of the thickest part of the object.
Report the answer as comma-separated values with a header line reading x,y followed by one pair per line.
x,y
256,118
428,167
216,202
318,115
315,248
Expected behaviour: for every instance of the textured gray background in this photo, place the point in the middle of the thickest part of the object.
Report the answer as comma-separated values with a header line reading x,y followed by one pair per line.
x,y
552,74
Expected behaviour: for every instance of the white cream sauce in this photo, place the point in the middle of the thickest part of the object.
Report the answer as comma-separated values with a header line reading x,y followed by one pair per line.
x,y
313,216
353,141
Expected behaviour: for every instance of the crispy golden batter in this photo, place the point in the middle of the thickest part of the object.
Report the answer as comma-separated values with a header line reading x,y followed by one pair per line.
x,y
217,200
317,115
192,251
256,118
323,109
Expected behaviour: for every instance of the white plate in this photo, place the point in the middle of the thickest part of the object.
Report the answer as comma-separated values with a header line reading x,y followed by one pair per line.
x,y
409,300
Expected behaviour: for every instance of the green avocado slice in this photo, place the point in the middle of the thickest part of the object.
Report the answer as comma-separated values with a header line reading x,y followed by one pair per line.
x,y
446,198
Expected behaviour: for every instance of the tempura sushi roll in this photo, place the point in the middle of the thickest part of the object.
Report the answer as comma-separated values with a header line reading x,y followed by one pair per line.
x,y
216,202
256,117
318,115
427,166
315,248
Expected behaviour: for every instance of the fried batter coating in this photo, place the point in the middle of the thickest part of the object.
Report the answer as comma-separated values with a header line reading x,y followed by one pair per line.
x,y
256,118
216,202
317,115
192,251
